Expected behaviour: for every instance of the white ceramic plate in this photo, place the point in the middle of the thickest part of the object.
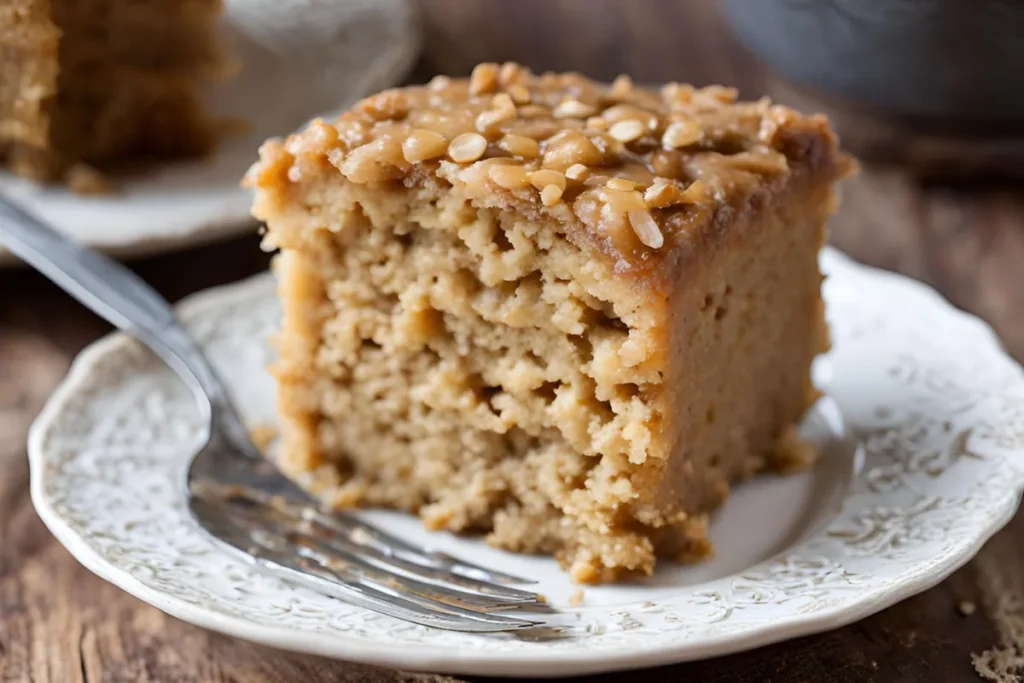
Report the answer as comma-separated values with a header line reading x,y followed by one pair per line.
x,y
935,404
300,58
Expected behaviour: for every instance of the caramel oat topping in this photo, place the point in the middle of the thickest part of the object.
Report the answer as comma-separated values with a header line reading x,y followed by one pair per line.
x,y
626,160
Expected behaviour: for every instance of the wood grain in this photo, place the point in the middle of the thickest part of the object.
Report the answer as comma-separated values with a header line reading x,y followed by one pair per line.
x,y
60,624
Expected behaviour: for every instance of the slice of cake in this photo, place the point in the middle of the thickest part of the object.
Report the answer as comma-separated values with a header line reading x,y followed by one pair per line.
x,y
97,82
563,313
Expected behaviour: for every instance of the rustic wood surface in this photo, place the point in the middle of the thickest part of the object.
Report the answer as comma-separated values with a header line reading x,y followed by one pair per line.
x,y
61,624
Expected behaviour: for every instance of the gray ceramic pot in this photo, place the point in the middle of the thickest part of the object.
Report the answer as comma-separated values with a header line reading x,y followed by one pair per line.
x,y
954,60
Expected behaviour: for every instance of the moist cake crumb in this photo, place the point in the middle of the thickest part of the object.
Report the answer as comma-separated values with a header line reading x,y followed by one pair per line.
x,y
561,313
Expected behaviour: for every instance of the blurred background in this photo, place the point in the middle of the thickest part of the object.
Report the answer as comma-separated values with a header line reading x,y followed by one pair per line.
x,y
928,93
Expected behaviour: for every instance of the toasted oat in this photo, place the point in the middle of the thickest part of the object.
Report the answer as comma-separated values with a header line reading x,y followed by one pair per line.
x,y
695,193
663,193
627,130
621,184
621,87
520,94
423,144
622,200
680,134
572,108
577,172
646,228
545,177
551,195
520,146
502,109
484,79
508,176
467,148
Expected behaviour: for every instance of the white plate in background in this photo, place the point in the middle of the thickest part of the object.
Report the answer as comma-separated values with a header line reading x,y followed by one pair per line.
x,y
301,58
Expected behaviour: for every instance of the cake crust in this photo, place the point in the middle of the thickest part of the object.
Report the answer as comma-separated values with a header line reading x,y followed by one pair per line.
x,y
565,313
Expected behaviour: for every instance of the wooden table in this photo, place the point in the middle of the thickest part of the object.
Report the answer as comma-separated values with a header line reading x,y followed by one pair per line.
x,y
60,624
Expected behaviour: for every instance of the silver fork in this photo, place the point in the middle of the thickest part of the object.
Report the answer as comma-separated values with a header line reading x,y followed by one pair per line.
x,y
242,501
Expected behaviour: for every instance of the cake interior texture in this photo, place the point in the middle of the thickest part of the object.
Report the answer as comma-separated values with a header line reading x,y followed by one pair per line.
x,y
533,370
100,82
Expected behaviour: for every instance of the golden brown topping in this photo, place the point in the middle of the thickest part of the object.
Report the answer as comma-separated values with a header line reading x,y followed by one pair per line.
x,y
680,134
520,146
646,228
621,156
508,176
422,145
467,148
484,79
551,195
543,178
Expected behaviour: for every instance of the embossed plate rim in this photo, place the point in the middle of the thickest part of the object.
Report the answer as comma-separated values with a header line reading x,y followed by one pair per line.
x,y
435,651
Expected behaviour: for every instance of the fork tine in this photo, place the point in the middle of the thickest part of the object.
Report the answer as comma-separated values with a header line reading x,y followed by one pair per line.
x,y
383,561
366,535
332,551
360,532
441,593
330,583
342,544
280,557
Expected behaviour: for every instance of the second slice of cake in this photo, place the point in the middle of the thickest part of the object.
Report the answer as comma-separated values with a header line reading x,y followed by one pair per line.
x,y
563,313
93,84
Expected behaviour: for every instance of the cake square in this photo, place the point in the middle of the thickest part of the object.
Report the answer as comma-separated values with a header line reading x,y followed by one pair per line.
x,y
98,82
562,313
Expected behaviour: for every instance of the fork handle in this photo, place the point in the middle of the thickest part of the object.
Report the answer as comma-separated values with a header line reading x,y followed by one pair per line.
x,y
124,299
